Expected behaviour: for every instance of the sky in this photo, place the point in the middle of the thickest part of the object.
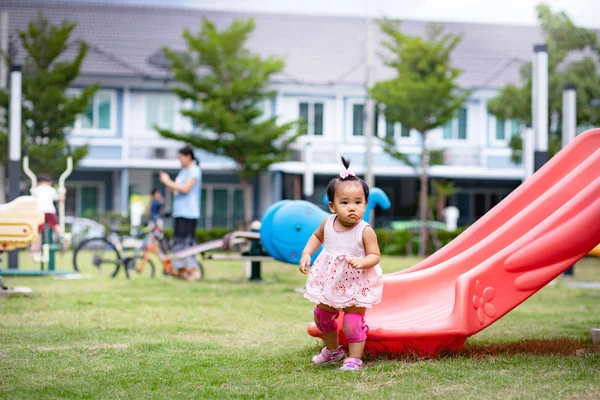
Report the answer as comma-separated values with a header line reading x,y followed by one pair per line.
x,y
521,12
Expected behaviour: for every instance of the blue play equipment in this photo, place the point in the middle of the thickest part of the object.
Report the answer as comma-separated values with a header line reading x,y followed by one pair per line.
x,y
287,225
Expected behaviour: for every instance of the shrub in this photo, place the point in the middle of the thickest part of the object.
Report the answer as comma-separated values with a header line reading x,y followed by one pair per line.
x,y
391,243
203,235
394,243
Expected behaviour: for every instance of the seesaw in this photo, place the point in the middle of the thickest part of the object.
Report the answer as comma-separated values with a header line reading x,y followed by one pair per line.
x,y
282,233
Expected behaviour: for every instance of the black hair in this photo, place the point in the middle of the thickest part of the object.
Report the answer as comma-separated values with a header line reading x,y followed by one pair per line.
x,y
44,178
154,191
188,151
350,178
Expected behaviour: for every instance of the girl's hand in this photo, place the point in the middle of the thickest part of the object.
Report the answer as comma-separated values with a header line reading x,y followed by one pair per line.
x,y
304,262
357,262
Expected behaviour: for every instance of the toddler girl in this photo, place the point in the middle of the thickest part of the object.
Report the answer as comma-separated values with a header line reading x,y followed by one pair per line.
x,y
346,275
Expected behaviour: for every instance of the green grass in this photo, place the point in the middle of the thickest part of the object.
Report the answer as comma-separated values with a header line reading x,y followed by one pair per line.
x,y
226,338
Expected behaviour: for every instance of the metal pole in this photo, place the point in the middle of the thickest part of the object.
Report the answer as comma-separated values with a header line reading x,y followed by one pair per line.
x,y
569,124
308,184
14,154
370,104
569,117
540,104
63,191
528,151
370,107
3,84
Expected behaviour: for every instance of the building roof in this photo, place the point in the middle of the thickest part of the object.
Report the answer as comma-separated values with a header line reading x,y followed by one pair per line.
x,y
317,49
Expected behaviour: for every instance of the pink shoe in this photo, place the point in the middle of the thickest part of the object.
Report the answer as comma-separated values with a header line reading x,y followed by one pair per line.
x,y
351,364
327,356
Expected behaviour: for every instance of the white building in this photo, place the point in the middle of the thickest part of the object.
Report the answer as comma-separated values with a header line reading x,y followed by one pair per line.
x,y
323,81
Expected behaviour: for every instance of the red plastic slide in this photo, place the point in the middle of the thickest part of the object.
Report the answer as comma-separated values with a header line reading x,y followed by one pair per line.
x,y
533,235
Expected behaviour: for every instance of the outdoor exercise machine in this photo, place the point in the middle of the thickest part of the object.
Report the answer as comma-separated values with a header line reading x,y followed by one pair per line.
x,y
13,216
49,248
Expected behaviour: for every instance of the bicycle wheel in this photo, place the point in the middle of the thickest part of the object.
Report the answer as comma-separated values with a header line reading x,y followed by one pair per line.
x,y
137,267
96,252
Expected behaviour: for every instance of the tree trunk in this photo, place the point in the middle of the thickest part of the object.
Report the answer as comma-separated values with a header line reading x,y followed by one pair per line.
x,y
441,204
435,237
247,189
423,201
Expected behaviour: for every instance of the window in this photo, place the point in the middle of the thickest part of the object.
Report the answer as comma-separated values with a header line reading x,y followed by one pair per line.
x,y
457,128
203,203
221,206
160,111
312,115
89,200
389,129
238,205
100,114
515,128
502,130
405,131
358,120
84,198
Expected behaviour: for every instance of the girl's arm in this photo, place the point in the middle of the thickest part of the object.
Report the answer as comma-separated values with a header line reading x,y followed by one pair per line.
x,y
372,254
313,244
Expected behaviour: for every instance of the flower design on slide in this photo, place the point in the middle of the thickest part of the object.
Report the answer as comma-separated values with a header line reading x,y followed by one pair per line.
x,y
481,301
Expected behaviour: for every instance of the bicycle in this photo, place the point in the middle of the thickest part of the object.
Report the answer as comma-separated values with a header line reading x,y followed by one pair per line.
x,y
129,252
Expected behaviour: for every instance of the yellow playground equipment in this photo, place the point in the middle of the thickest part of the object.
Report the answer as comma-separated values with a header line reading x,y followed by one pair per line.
x,y
19,221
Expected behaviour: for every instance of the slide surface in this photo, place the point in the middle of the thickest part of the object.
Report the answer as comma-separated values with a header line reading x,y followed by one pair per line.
x,y
533,235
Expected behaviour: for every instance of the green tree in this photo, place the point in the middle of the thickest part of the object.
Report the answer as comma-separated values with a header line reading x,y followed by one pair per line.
x,y
229,86
424,95
563,39
47,110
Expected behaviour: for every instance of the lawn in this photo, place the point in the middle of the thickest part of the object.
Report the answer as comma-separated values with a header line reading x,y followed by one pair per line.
x,y
226,338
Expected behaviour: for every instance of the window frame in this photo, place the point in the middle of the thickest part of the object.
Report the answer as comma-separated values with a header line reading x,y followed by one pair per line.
x,y
310,121
364,122
455,126
209,207
382,124
78,130
176,109
508,131
77,186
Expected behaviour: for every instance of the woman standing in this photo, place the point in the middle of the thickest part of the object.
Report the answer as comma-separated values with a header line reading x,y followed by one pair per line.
x,y
186,211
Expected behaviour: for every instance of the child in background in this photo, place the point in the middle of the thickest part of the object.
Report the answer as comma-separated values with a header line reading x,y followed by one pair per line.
x,y
45,196
346,275
157,205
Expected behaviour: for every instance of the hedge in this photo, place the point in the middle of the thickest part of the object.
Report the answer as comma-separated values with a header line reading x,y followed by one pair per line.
x,y
397,242
203,235
390,242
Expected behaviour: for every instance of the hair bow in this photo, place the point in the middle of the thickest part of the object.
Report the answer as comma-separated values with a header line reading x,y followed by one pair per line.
x,y
346,173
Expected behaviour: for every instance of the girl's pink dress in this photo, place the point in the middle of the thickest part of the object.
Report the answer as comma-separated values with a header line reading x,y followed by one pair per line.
x,y
333,281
